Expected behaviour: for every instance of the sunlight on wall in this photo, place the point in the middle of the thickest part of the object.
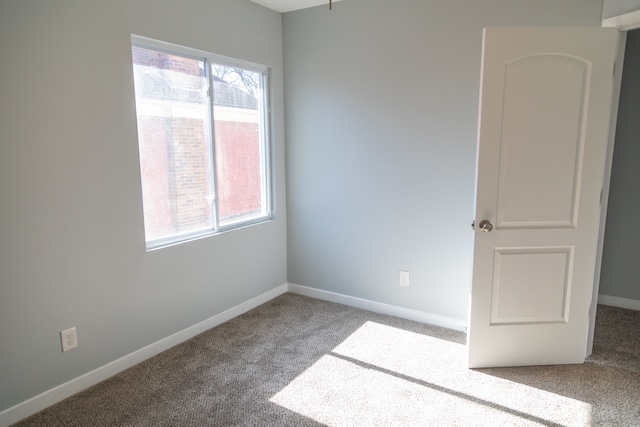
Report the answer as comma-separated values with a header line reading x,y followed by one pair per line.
x,y
382,375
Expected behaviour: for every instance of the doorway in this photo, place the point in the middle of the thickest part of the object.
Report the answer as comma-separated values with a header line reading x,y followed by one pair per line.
x,y
620,273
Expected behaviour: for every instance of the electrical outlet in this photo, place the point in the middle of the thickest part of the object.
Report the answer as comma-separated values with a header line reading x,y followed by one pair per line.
x,y
403,278
69,339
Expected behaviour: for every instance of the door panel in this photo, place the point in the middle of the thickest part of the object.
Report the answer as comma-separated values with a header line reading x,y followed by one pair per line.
x,y
530,285
544,117
532,136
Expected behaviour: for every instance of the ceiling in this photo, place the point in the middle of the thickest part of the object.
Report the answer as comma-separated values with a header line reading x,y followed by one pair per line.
x,y
283,6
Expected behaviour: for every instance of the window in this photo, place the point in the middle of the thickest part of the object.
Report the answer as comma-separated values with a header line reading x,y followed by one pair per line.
x,y
203,139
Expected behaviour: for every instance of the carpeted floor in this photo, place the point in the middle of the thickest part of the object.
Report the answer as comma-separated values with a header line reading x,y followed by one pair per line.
x,y
297,361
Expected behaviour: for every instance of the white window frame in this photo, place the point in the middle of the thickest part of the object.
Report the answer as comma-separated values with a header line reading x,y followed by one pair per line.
x,y
266,167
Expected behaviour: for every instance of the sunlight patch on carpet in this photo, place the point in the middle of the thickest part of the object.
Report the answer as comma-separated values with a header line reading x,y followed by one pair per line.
x,y
382,375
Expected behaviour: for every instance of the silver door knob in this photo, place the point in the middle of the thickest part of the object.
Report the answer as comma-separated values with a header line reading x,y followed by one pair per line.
x,y
485,226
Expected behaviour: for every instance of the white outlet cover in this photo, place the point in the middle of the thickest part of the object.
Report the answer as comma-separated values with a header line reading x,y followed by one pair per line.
x,y
403,278
69,339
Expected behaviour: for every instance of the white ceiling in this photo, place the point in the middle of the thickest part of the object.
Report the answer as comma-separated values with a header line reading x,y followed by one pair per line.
x,y
283,6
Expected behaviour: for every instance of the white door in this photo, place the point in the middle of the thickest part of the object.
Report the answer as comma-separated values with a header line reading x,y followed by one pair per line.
x,y
544,118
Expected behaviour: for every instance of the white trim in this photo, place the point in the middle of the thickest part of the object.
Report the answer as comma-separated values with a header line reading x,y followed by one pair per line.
x,y
284,6
629,304
626,22
189,52
606,186
378,307
76,385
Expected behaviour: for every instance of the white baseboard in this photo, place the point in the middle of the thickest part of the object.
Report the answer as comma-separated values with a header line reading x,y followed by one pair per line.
x,y
630,304
378,307
68,389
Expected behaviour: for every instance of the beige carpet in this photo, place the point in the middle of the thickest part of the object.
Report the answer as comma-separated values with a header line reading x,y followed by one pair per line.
x,y
297,361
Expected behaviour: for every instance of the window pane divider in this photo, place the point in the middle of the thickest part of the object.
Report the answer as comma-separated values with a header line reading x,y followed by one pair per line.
x,y
212,147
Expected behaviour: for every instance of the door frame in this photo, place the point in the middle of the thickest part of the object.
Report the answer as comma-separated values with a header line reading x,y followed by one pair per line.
x,y
626,22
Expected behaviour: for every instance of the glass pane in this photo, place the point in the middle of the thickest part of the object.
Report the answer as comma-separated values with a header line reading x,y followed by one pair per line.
x,y
173,133
239,131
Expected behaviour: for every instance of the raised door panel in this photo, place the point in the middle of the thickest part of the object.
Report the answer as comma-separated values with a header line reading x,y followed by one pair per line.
x,y
541,149
531,285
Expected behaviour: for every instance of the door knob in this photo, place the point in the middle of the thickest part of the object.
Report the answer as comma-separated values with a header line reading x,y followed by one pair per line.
x,y
485,226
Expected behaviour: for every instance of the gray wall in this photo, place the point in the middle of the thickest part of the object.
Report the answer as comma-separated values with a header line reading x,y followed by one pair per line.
x,y
382,101
72,250
620,275
619,7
